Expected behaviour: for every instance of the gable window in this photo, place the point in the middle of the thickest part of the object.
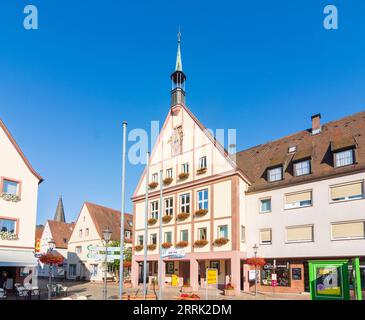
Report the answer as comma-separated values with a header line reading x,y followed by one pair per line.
x,y
202,234
140,240
10,187
7,225
127,234
275,174
350,191
298,200
265,236
153,238
302,168
299,234
155,177
203,163
223,231
78,249
80,233
154,209
203,199
169,173
185,168
344,158
243,234
348,230
184,235
265,205
185,203
168,237
87,232
169,206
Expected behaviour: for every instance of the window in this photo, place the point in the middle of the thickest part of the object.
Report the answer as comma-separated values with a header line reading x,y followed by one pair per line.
x,y
127,234
298,200
154,209
10,187
202,234
155,177
168,237
243,234
80,233
153,238
265,236
185,168
184,235
349,191
78,249
72,270
223,231
203,163
348,230
344,158
94,270
87,232
185,203
203,199
275,174
130,223
299,234
265,205
302,168
8,225
282,271
140,240
169,173
169,206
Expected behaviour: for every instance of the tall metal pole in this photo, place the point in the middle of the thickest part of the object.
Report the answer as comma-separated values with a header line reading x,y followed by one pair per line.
x,y
160,262
105,294
50,283
255,273
121,261
146,229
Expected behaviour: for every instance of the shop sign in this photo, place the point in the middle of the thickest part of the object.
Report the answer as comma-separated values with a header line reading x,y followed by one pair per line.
x,y
251,275
212,276
173,252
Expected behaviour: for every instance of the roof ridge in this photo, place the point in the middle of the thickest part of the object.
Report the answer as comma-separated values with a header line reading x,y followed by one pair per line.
x,y
101,206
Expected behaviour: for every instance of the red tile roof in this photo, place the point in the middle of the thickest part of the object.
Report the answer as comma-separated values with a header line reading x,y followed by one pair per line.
x,y
61,232
38,232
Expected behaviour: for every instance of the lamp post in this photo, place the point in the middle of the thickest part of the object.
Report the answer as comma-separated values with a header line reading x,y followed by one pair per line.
x,y
106,235
51,246
255,248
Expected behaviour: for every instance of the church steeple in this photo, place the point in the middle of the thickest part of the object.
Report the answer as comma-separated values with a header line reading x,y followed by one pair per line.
x,y
178,79
60,213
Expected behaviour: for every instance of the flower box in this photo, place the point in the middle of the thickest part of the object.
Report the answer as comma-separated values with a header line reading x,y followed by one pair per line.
x,y
200,243
10,197
221,241
138,248
152,221
167,181
4,235
201,170
229,292
186,288
185,296
153,185
183,216
183,176
166,219
182,244
166,245
151,247
200,213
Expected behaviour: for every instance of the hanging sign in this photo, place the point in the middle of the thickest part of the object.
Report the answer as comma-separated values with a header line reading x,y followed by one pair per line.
x,y
176,253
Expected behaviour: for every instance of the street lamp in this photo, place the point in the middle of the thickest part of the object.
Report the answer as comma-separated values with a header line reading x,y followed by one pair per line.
x,y
255,248
51,246
106,235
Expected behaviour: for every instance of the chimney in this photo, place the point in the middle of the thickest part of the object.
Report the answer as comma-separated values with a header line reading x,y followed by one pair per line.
x,y
316,123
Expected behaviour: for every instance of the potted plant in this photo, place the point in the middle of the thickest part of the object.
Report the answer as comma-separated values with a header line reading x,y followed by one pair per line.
x,y
153,185
221,241
182,244
229,290
183,216
200,243
183,175
166,245
201,170
185,296
138,247
166,219
167,181
151,247
152,221
200,213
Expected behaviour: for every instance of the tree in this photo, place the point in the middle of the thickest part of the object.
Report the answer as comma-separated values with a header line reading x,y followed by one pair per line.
x,y
127,258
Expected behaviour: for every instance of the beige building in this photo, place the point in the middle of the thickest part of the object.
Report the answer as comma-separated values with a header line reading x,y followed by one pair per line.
x,y
18,210
88,232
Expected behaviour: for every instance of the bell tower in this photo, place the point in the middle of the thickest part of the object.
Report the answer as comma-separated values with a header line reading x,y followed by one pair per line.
x,y
178,80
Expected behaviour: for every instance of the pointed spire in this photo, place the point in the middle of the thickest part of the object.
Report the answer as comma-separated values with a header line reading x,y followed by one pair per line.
x,y
60,213
179,66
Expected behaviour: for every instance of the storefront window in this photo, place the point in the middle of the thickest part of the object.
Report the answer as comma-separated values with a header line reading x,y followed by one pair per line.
x,y
282,270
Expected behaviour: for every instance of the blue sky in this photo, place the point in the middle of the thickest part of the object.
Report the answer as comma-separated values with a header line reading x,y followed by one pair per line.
x,y
261,67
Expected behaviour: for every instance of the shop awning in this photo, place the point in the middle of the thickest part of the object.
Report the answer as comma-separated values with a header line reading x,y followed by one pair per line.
x,y
17,258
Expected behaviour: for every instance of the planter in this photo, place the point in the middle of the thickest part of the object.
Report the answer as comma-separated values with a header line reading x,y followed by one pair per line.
x,y
221,241
183,216
151,247
4,235
167,181
166,245
182,244
201,170
153,185
183,176
166,219
187,289
200,243
200,213
10,197
152,221
229,292
138,248
127,284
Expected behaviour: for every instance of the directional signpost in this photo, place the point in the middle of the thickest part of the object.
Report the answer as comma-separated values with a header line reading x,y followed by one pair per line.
x,y
98,253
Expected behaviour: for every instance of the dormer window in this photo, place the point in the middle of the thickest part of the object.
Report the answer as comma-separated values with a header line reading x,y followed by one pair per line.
x,y
292,149
275,174
344,158
302,168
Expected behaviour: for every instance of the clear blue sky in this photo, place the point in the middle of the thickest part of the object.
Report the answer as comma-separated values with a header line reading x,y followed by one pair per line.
x,y
262,67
